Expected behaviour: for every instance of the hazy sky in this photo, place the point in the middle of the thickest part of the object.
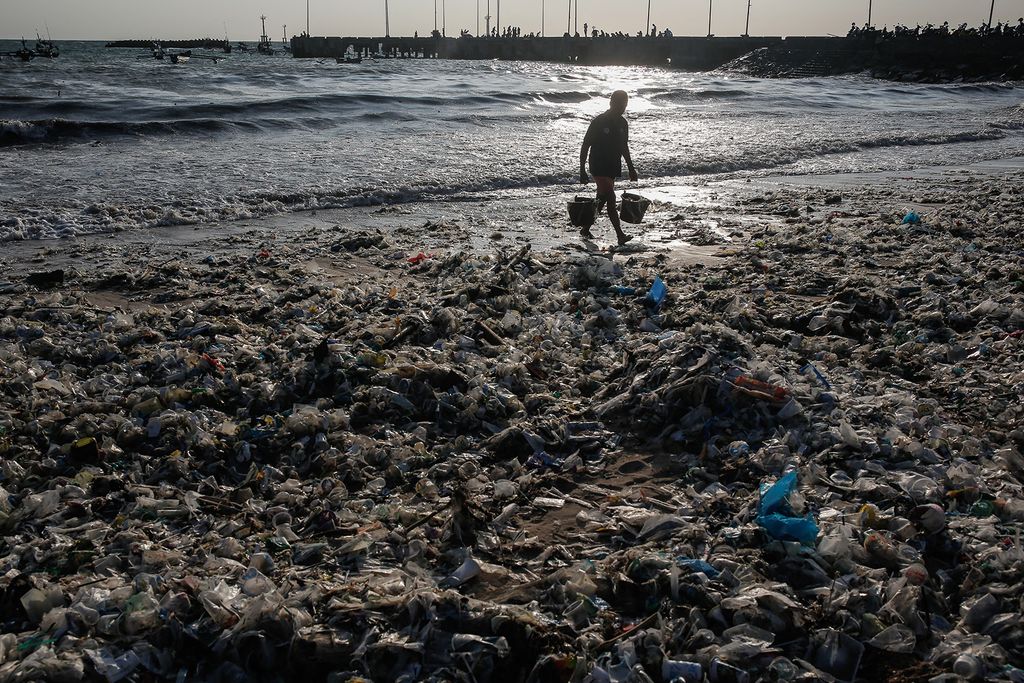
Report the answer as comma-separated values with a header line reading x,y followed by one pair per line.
x,y
103,19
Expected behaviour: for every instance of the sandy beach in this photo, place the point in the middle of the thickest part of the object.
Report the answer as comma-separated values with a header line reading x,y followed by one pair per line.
x,y
421,442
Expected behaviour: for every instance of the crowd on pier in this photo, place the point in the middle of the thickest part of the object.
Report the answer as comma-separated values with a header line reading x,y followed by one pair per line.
x,y
866,32
588,32
900,31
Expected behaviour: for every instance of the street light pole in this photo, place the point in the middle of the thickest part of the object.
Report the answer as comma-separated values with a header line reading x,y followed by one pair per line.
x,y
387,20
577,24
307,17
488,18
711,6
991,13
648,17
543,16
568,23
869,12
746,31
444,19
499,17
435,15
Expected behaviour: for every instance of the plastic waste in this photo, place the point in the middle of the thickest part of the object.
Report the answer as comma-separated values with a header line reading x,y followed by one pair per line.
x,y
776,515
657,294
329,463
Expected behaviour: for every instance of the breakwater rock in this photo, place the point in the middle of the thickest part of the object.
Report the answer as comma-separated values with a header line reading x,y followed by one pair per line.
x,y
936,59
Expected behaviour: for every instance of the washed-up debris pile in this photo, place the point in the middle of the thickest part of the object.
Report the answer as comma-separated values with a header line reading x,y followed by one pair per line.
x,y
800,462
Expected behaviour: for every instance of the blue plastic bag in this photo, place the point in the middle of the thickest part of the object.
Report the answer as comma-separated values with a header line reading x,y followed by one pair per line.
x,y
773,498
912,218
777,518
656,296
782,528
698,566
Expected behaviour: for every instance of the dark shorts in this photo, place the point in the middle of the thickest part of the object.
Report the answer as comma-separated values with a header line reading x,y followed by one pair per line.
x,y
605,184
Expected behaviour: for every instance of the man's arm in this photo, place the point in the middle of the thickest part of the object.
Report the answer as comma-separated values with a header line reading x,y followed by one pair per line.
x,y
625,152
588,142
583,160
629,164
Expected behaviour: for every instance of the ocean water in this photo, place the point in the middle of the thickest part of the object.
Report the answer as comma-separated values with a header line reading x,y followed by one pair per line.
x,y
101,140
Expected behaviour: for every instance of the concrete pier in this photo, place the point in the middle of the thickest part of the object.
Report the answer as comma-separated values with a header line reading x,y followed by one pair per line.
x,y
683,52
932,58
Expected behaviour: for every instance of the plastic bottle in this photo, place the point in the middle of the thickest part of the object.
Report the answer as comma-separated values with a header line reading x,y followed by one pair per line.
x,y
720,672
690,672
970,667
255,583
781,669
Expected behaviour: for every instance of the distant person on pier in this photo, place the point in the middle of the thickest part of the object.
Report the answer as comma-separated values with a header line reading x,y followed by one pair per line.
x,y
607,144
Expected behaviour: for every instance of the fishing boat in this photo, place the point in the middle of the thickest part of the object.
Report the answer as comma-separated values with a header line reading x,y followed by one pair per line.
x,y
177,56
264,47
350,57
173,55
46,48
24,54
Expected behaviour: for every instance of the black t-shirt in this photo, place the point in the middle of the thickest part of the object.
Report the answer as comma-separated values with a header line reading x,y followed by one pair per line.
x,y
608,137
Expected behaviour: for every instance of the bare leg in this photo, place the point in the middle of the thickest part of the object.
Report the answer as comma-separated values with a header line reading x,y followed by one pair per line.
x,y
613,214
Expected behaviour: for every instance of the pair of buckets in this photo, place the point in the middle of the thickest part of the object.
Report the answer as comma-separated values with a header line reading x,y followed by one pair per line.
x,y
583,210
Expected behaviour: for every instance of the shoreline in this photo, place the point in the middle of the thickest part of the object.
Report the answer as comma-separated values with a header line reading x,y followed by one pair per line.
x,y
372,460
688,221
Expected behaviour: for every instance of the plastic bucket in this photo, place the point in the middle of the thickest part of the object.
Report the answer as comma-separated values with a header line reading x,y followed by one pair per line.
x,y
583,212
633,208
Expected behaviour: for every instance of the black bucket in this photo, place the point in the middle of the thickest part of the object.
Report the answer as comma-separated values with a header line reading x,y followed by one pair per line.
x,y
583,211
633,208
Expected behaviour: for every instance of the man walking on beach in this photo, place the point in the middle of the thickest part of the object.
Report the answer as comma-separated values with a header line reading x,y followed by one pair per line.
x,y
607,143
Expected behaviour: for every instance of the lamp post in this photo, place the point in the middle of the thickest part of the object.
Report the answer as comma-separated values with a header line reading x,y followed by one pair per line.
x,y
648,17
307,17
568,23
577,24
435,15
387,20
711,6
870,2
499,17
746,31
444,19
543,15
991,13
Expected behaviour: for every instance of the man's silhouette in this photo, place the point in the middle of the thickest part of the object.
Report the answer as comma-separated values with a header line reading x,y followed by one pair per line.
x,y
607,143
